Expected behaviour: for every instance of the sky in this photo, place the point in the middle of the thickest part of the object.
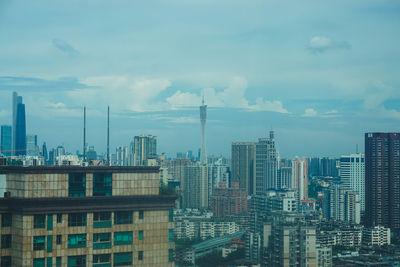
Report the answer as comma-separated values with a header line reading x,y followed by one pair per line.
x,y
318,73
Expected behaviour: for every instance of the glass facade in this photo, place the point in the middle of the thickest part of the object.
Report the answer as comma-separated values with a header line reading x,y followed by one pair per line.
x,y
102,184
6,261
49,243
122,259
77,219
77,184
50,222
123,217
102,220
102,260
77,241
140,235
6,220
101,240
40,262
39,221
77,261
6,241
123,238
39,242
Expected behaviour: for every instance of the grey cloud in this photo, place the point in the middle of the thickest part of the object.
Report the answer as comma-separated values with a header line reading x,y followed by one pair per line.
x,y
321,44
65,47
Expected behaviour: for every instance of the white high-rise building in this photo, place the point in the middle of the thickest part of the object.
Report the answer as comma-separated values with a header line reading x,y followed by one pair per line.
x,y
299,180
352,174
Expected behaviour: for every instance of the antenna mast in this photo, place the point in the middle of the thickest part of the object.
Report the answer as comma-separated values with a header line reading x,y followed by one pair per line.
x,y
108,136
84,134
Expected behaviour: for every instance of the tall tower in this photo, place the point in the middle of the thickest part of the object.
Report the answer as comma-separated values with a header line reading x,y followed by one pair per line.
x,y
19,126
203,118
382,180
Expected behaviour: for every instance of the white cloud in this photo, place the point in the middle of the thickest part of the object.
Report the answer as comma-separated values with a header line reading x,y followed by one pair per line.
x,y
319,44
4,113
233,97
310,113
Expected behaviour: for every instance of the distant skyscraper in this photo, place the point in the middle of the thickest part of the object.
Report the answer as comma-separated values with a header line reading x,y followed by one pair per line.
x,y
344,204
143,148
382,180
266,164
244,166
6,140
203,118
32,148
299,174
44,152
352,174
19,126
195,187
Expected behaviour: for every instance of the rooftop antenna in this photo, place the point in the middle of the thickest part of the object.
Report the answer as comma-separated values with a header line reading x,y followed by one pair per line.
x,y
356,148
84,134
108,135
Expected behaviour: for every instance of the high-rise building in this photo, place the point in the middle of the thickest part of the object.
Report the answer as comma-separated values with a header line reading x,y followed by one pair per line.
x,y
143,148
32,148
352,174
6,140
244,166
195,187
299,173
85,216
266,164
44,152
122,156
19,126
344,204
382,180
203,118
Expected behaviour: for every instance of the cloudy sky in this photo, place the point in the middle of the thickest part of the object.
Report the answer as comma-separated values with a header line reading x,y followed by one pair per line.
x,y
319,73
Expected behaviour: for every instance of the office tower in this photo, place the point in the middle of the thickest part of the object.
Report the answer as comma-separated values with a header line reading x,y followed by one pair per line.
x,y
286,178
6,140
32,148
329,167
382,180
352,174
195,187
85,216
266,164
122,156
91,154
314,167
299,173
289,240
344,204
203,118
244,166
19,126
44,152
143,148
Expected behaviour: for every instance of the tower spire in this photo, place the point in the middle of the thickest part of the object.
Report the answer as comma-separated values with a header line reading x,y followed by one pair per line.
x,y
203,118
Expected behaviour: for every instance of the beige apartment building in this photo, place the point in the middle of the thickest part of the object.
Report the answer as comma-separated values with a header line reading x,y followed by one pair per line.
x,y
85,216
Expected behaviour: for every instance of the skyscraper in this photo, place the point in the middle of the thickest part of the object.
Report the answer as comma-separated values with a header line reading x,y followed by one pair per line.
x,y
32,148
352,174
299,176
195,187
6,140
19,126
266,164
244,166
203,118
382,180
144,147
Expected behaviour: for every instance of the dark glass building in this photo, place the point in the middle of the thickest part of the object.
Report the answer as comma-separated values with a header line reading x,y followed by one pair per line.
x,y
382,180
6,140
20,133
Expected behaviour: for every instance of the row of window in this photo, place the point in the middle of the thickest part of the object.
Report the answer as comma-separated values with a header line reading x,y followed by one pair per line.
x,y
102,184
100,219
100,240
99,260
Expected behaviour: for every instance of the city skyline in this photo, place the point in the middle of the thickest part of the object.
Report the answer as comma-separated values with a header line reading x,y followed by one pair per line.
x,y
262,65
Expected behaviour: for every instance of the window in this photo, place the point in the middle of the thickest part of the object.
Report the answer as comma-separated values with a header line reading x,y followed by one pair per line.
x,y
59,217
58,262
6,241
140,234
39,221
123,217
77,219
170,235
49,243
38,262
77,241
6,220
102,184
170,255
77,261
101,219
140,255
77,184
49,222
101,240
122,238
141,214
101,260
49,262
122,259
171,216
59,239
6,261
39,242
